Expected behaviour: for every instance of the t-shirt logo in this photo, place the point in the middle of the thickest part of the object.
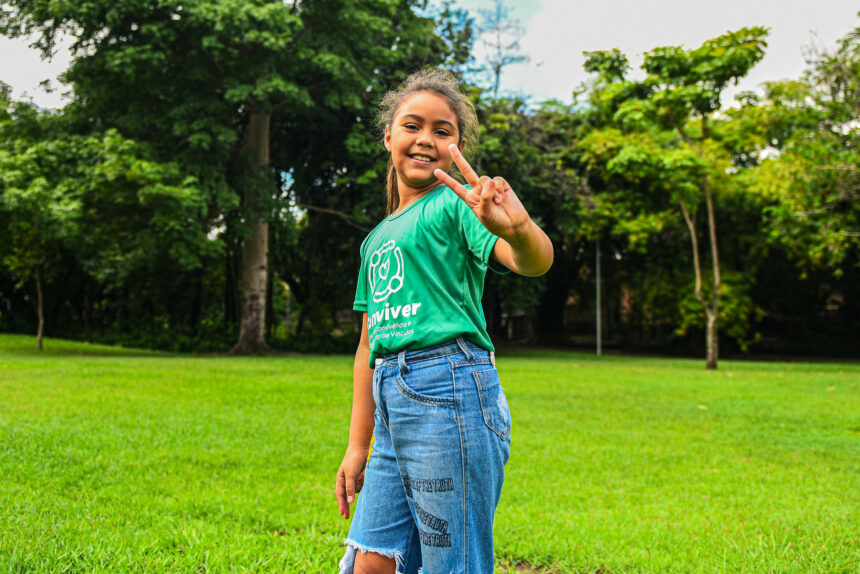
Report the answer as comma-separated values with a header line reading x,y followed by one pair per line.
x,y
383,279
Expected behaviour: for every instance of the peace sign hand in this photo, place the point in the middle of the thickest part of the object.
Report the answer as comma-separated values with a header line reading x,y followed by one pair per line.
x,y
492,200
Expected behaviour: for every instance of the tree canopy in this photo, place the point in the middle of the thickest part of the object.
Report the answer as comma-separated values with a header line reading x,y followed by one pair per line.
x,y
218,166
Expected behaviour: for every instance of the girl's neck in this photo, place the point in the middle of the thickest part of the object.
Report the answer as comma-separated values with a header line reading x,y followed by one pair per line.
x,y
409,195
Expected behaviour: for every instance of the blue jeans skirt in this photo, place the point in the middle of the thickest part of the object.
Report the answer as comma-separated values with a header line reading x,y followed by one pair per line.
x,y
434,478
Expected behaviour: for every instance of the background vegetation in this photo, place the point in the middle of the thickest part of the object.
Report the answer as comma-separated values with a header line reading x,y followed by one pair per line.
x,y
198,127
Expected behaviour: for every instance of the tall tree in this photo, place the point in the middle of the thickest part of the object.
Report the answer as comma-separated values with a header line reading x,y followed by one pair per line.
x,y
811,177
37,213
54,184
667,142
500,35
205,82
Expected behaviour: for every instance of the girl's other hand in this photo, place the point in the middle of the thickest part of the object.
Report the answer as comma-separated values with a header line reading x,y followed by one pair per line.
x,y
350,478
491,199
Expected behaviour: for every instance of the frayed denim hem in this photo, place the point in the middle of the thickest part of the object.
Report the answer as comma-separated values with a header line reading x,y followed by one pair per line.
x,y
347,563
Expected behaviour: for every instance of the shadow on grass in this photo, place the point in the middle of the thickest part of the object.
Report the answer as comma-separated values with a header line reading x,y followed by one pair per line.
x,y
48,353
25,346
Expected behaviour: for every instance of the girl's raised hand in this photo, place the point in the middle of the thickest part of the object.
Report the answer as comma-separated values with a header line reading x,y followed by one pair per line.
x,y
492,199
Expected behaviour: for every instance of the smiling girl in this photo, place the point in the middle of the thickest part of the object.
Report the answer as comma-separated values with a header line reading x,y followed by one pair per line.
x,y
424,379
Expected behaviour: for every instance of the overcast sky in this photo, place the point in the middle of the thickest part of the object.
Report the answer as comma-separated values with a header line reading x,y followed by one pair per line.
x,y
557,32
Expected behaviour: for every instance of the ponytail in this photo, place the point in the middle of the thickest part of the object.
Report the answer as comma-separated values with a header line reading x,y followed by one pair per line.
x,y
391,187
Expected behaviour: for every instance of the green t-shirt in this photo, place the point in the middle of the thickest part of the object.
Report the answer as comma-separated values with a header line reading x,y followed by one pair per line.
x,y
422,276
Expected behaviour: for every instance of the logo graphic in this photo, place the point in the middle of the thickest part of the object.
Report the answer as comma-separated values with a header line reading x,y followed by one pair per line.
x,y
383,279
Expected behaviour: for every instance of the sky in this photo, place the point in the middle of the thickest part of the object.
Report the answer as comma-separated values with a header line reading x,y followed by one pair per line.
x,y
558,31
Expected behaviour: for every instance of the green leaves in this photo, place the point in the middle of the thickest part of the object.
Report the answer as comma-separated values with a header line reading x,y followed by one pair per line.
x,y
807,179
612,66
691,81
98,196
657,149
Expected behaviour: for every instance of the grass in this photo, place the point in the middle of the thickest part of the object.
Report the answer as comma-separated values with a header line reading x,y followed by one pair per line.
x,y
114,460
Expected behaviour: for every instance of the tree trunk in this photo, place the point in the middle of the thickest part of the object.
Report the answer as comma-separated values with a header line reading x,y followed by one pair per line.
x,y
712,337
709,308
231,266
40,308
270,306
255,247
711,341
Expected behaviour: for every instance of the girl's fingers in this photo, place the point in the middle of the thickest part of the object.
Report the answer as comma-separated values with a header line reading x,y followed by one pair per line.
x,y
345,491
488,193
350,490
465,168
502,187
455,185
340,493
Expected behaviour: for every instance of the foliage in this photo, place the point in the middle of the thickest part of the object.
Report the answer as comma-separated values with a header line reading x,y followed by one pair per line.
x,y
315,74
134,198
38,215
810,184
660,151
98,198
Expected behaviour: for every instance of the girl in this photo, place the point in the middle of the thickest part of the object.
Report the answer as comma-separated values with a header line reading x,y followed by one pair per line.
x,y
424,379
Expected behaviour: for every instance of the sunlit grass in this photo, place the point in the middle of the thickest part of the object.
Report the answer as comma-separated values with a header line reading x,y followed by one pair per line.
x,y
116,460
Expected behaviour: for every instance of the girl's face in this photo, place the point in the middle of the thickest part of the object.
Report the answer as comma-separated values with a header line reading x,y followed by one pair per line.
x,y
418,139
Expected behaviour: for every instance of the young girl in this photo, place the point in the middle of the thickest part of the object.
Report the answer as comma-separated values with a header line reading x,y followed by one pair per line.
x,y
424,380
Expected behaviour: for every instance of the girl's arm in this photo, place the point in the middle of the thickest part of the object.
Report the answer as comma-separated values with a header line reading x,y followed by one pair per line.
x,y
350,475
529,252
522,246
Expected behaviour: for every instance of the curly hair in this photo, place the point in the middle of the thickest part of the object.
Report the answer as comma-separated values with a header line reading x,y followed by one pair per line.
x,y
444,84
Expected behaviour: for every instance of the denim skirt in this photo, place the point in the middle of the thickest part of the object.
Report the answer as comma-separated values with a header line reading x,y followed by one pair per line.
x,y
434,478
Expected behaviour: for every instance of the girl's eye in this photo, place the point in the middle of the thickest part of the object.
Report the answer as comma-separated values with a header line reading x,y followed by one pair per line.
x,y
410,126
442,133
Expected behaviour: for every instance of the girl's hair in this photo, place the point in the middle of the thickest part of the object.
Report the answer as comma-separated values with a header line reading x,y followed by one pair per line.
x,y
444,84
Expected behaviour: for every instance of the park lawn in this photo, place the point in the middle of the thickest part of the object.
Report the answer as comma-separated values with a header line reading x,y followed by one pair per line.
x,y
114,460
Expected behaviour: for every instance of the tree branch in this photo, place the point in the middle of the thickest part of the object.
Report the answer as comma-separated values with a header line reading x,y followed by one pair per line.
x,y
691,226
712,228
347,218
844,196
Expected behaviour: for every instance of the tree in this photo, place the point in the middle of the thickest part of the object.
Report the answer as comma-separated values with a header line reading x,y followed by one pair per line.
x,y
666,143
811,179
501,35
207,83
336,170
97,196
38,214
528,147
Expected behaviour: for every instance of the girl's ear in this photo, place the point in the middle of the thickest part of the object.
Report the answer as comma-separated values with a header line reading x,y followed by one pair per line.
x,y
462,145
387,139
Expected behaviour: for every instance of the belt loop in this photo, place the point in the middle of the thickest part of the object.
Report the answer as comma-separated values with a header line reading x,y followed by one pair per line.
x,y
492,358
461,342
401,362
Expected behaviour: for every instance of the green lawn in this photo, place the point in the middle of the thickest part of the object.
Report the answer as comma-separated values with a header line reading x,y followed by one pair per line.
x,y
114,460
